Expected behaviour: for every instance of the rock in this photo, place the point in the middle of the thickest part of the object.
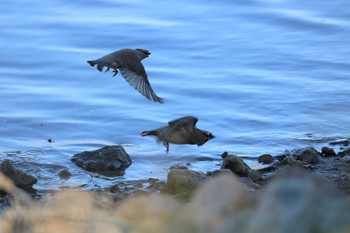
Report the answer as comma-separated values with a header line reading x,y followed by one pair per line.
x,y
19,178
343,141
108,161
265,159
178,166
183,182
307,155
64,174
236,165
344,152
219,172
224,155
211,203
255,176
326,151
292,197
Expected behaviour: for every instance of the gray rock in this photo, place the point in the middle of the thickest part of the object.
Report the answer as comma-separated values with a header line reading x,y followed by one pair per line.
x,y
265,159
108,161
308,155
236,165
183,182
19,178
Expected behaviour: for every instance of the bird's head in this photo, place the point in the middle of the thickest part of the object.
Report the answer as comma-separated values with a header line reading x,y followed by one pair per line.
x,y
206,136
142,53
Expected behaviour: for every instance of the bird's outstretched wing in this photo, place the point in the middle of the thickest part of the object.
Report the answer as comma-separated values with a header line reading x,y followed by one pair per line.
x,y
140,82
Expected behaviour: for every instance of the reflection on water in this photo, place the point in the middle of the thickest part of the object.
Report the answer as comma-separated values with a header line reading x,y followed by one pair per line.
x,y
259,76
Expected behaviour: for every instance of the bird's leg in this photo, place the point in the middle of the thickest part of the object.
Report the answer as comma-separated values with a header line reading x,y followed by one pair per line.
x,y
115,72
166,144
107,69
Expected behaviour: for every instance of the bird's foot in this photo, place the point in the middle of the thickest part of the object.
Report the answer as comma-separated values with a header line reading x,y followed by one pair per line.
x,y
115,72
166,144
107,69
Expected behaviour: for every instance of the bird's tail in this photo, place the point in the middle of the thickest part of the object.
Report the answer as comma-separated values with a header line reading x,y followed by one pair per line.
x,y
149,133
100,65
92,63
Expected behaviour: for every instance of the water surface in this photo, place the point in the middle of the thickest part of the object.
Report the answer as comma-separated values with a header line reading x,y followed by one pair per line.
x,y
263,76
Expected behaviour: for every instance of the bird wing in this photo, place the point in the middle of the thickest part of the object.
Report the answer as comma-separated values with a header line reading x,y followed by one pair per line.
x,y
136,76
187,120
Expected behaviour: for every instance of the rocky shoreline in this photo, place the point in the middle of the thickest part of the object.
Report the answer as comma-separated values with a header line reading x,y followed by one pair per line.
x,y
181,181
302,185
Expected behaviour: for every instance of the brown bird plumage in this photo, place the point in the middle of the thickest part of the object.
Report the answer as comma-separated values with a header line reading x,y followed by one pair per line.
x,y
128,62
180,131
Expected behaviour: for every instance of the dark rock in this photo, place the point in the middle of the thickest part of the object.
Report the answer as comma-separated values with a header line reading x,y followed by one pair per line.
x,y
344,152
183,182
255,176
224,155
344,142
307,155
108,161
326,151
64,174
19,178
236,165
282,156
265,159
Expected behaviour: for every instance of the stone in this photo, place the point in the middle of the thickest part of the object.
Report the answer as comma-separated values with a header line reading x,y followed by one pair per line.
x,y
236,165
255,176
64,174
265,159
19,178
326,151
108,161
183,182
344,152
307,155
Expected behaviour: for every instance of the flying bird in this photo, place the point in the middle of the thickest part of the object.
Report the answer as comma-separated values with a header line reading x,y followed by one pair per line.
x,y
128,62
180,131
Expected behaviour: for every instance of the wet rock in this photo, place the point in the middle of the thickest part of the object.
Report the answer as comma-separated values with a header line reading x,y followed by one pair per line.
x,y
326,151
344,152
307,155
64,174
344,142
178,166
265,159
19,178
183,182
236,165
224,155
108,161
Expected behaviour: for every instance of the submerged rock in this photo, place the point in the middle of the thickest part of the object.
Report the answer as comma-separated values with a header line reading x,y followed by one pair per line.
x,y
108,161
19,178
235,164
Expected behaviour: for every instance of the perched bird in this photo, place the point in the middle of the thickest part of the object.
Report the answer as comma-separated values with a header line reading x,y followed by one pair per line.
x,y
180,131
128,62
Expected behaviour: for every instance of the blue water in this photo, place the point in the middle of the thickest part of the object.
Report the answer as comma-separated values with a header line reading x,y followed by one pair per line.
x,y
263,76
